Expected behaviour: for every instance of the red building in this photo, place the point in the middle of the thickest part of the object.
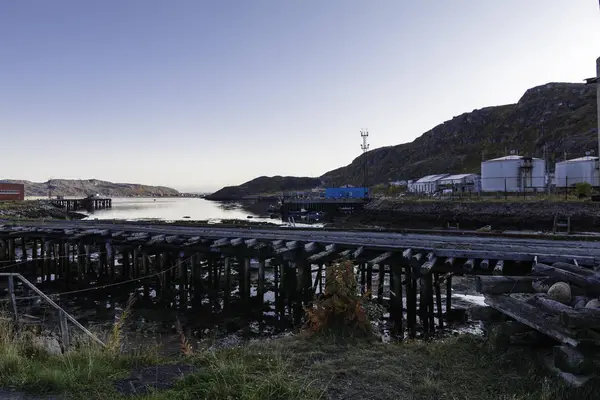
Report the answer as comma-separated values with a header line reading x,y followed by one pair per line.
x,y
12,191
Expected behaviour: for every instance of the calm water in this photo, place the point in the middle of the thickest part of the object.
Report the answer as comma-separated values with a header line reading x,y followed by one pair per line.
x,y
171,209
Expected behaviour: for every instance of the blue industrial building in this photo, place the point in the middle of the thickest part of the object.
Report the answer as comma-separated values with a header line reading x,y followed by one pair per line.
x,y
346,193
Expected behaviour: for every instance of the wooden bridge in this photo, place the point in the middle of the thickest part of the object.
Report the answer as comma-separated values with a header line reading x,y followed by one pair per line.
x,y
411,272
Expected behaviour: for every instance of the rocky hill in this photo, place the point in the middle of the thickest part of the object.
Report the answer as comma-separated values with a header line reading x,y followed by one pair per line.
x,y
265,185
560,116
82,188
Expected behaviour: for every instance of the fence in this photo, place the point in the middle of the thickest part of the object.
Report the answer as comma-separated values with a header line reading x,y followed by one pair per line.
x,y
63,315
520,187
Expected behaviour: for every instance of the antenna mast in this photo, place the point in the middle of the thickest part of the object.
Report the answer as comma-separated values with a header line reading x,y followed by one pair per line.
x,y
365,148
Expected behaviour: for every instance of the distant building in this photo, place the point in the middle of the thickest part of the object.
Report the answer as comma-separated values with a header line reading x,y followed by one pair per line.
x,y
513,174
428,184
462,183
398,183
570,172
12,191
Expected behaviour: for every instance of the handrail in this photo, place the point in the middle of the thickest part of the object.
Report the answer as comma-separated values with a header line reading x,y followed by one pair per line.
x,y
52,303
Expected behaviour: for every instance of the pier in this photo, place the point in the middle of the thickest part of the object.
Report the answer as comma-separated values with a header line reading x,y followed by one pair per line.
x,y
331,207
411,274
91,203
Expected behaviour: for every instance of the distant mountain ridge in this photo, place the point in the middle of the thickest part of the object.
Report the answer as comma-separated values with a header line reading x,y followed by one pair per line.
x,y
85,187
559,116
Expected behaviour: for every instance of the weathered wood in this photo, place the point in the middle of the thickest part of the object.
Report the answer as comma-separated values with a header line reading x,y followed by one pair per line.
x,y
484,313
220,243
499,268
311,247
585,318
491,284
13,300
381,258
449,261
570,360
574,269
448,295
358,252
529,315
329,251
407,253
261,280
428,266
396,297
484,264
550,306
438,299
469,265
590,283
236,242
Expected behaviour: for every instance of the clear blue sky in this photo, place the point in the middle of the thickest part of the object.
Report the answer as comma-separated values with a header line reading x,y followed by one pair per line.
x,y
201,94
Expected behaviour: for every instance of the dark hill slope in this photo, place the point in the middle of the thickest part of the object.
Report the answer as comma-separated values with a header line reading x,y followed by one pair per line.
x,y
561,116
265,185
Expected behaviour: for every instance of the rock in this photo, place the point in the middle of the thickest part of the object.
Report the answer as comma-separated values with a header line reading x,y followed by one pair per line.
x,y
594,303
561,292
48,344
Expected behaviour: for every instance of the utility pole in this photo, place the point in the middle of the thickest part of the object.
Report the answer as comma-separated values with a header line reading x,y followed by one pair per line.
x,y
365,147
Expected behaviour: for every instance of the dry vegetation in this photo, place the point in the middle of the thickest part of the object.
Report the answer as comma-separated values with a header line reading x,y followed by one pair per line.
x,y
326,365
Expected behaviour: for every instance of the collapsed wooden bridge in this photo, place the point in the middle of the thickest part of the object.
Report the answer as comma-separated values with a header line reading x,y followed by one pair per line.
x,y
412,273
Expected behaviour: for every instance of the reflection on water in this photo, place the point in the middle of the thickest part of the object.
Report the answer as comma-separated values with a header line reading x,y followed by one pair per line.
x,y
170,209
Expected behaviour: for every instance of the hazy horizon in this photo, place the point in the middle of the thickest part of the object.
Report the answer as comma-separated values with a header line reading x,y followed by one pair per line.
x,y
198,95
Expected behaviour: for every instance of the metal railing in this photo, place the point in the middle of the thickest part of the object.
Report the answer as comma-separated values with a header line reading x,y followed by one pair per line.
x,y
64,317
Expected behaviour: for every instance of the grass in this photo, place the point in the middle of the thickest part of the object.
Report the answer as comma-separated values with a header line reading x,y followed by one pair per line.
x,y
315,364
297,367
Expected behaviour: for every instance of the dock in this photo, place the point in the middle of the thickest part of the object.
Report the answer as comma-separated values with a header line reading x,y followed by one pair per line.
x,y
196,262
90,204
331,207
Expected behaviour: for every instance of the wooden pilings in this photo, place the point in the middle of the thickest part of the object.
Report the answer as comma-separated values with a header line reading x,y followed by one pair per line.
x,y
82,204
238,276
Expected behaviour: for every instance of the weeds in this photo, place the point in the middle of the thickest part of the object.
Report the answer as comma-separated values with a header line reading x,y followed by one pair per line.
x,y
341,309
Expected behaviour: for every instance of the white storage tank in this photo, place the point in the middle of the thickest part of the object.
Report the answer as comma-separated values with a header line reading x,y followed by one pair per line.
x,y
514,174
571,172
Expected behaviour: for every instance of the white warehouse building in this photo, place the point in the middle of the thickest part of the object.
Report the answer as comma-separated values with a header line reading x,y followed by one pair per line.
x,y
428,184
583,169
513,174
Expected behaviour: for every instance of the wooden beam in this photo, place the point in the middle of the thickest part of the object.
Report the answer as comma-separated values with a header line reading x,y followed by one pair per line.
x,y
584,318
499,268
469,265
428,266
328,252
529,315
358,252
220,242
449,261
492,284
590,283
407,253
381,258
311,247
236,242
484,264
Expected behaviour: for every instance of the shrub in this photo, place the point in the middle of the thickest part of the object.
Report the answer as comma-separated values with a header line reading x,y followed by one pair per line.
x,y
341,309
583,189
